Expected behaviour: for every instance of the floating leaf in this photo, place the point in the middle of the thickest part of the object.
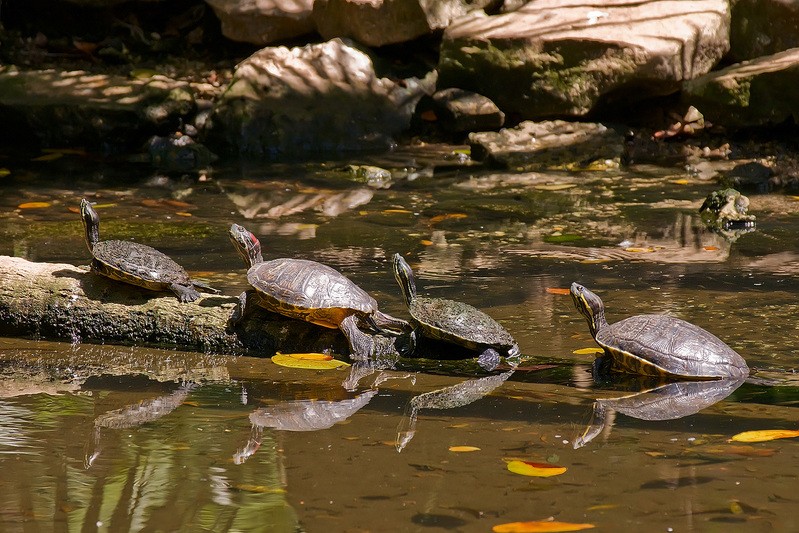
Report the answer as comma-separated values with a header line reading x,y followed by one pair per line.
x,y
710,248
288,360
177,203
461,449
555,186
587,351
310,356
637,250
558,290
547,526
746,451
396,211
257,489
682,181
603,507
49,157
184,214
527,468
449,216
4,172
562,237
34,205
149,202
763,435
425,242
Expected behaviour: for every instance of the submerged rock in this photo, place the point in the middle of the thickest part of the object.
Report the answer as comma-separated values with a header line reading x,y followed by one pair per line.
x,y
550,144
554,58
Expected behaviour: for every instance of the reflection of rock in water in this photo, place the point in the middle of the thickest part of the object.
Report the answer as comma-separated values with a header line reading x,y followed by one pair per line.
x,y
446,398
308,415
146,411
135,415
667,402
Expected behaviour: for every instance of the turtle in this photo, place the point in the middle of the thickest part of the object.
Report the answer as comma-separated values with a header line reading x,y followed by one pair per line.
x,y
310,291
135,263
455,322
658,345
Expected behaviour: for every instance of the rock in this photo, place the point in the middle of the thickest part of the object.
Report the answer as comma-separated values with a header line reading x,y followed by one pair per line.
x,y
459,110
551,144
382,22
550,58
763,27
178,153
98,111
320,98
263,21
752,93
751,176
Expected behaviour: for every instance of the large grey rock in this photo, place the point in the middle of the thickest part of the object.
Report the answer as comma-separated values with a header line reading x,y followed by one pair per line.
x,y
752,93
549,144
763,27
319,98
561,57
263,21
381,22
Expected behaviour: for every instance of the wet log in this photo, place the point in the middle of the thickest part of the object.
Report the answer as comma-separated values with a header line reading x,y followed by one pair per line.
x,y
53,301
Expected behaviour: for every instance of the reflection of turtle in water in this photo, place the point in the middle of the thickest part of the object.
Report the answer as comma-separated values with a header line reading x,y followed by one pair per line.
x,y
666,402
658,345
136,263
727,209
455,322
310,291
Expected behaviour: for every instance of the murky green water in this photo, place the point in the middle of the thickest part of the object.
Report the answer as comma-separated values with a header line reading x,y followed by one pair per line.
x,y
131,439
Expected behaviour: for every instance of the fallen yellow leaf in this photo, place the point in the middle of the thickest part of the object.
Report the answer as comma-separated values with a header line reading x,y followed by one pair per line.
x,y
309,356
763,435
603,507
555,186
681,181
464,449
526,468
396,211
4,172
587,351
183,214
34,205
294,362
636,250
547,526
425,242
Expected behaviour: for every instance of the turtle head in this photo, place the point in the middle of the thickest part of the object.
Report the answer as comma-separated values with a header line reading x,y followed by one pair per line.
x,y
404,276
91,223
247,245
591,306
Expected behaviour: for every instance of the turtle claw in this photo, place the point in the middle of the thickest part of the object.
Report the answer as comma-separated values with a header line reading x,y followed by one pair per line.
x,y
185,294
489,360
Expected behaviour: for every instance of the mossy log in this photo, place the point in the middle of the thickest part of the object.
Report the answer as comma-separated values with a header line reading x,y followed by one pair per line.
x,y
63,302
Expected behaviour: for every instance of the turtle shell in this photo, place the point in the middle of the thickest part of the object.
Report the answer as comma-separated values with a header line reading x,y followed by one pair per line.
x,y
309,291
137,264
457,322
659,345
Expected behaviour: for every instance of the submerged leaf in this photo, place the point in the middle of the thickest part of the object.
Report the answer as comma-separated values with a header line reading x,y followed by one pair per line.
x,y
288,360
34,205
464,449
449,216
549,526
527,468
763,435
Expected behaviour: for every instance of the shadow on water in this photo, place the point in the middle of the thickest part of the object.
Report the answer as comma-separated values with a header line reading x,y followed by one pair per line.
x,y
128,439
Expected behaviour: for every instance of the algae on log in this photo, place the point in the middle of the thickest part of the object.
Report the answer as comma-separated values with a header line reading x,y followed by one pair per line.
x,y
63,302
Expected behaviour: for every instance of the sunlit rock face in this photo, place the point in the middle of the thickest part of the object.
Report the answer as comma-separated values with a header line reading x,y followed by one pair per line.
x,y
751,93
263,21
320,98
381,22
562,57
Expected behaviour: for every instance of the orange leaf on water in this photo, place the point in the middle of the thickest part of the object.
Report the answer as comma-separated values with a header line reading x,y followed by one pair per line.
x,y
538,526
34,205
464,449
288,360
558,290
184,214
763,435
527,468
710,248
425,242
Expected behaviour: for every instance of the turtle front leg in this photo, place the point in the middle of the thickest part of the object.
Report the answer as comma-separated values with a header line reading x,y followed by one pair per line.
x,y
382,320
362,346
489,359
185,293
241,309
